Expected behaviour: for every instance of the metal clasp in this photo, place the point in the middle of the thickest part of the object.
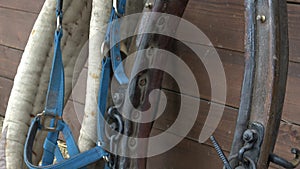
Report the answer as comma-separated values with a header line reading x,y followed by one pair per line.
x,y
58,23
43,119
115,6
104,48
285,163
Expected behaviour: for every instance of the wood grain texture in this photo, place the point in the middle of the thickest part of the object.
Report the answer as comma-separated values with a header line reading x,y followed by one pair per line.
x,y
79,89
186,155
293,1
288,133
223,23
73,114
233,63
5,88
15,27
9,61
190,154
32,6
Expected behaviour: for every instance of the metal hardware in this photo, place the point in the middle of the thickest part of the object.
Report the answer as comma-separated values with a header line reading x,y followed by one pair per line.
x,y
248,155
104,48
247,163
118,99
115,115
149,5
261,18
220,152
106,159
283,162
264,42
58,23
250,137
142,82
44,116
115,6
116,124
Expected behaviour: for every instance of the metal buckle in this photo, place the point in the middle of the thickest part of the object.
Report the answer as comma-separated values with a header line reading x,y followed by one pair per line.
x,y
44,116
58,23
104,48
115,5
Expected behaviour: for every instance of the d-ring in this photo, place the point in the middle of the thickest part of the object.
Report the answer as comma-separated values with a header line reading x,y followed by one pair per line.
x,y
252,163
104,48
115,6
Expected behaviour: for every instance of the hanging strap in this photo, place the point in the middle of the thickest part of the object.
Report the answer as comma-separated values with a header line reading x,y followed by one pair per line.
x,y
55,102
112,38
112,61
76,161
53,112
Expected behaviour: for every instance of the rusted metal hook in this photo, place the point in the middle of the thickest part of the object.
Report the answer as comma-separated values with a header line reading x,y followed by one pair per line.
x,y
283,162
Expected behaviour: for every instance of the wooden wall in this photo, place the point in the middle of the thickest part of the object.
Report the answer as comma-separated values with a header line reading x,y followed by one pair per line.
x,y
223,22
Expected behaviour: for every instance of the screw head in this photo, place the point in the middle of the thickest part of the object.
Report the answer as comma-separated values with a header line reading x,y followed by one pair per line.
x,y
135,115
142,82
261,18
249,135
118,98
149,5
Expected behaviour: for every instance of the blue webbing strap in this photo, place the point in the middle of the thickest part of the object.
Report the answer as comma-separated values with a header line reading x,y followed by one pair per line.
x,y
53,111
102,95
113,61
55,102
113,38
76,161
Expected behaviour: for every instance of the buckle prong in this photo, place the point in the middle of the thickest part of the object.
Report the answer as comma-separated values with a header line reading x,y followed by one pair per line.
x,y
44,116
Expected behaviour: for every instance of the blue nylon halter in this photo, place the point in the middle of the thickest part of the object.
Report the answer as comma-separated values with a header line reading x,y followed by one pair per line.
x,y
114,62
55,103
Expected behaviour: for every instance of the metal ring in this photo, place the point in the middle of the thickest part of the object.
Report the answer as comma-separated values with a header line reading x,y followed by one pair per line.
x,y
115,6
106,158
104,48
58,23
245,157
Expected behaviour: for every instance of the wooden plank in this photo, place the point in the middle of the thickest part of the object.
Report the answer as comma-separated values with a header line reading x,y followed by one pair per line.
x,y
288,138
223,23
233,63
5,89
9,61
288,133
191,154
186,155
224,132
15,27
73,114
294,37
33,6
293,1
79,90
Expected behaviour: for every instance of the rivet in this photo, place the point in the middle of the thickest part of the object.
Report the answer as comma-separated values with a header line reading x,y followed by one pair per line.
x,y
118,58
105,158
261,18
132,142
148,5
142,82
118,98
135,115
